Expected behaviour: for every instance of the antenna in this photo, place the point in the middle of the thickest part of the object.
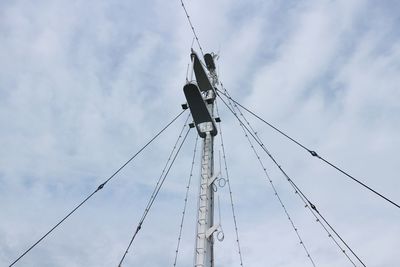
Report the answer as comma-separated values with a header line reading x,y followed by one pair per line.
x,y
200,98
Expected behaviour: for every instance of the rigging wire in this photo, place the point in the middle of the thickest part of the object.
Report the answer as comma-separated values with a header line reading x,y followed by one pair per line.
x,y
166,163
188,65
230,192
312,152
308,203
154,195
219,215
295,229
192,27
313,209
186,200
101,186
234,106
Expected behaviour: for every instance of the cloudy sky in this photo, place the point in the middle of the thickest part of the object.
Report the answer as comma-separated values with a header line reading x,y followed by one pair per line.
x,y
84,84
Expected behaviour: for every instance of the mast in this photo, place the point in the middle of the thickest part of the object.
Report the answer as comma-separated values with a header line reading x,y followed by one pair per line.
x,y
200,98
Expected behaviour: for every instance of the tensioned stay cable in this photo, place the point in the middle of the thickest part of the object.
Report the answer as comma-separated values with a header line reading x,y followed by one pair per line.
x,y
307,202
167,162
294,227
230,192
192,27
185,204
234,106
153,198
101,186
312,152
314,211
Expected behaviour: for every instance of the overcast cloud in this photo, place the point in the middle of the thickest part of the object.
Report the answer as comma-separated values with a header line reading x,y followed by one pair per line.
x,y
84,84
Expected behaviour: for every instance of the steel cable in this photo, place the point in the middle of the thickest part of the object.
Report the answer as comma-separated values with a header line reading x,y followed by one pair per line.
x,y
311,152
296,191
166,164
153,197
294,227
308,203
230,193
192,27
101,186
186,200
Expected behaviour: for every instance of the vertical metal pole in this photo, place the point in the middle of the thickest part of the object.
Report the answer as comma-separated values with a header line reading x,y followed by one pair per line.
x,y
204,251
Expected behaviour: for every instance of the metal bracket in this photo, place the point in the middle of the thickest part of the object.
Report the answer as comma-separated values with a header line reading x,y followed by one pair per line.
x,y
212,179
211,230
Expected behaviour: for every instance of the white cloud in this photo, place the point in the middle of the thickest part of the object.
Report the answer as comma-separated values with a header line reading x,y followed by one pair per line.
x,y
84,84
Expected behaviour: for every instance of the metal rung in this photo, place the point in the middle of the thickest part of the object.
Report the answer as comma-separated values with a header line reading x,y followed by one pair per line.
x,y
203,249
203,210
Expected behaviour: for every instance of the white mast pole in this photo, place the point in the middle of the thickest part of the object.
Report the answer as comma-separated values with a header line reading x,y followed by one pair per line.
x,y
204,254
200,97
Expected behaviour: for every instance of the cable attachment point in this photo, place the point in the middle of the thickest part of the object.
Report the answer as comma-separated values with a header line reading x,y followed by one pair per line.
x,y
220,232
185,106
214,187
221,182
101,186
216,229
220,235
313,206
313,153
139,227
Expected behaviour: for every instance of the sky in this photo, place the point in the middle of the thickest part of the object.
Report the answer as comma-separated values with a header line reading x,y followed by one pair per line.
x,y
85,84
